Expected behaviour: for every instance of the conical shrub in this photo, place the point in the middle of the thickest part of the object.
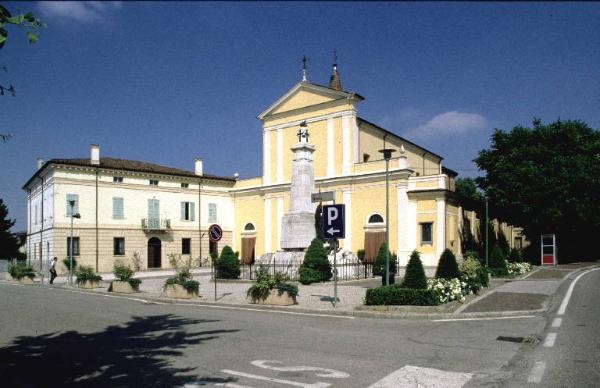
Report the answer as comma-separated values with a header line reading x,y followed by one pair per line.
x,y
415,274
228,265
379,265
447,266
316,266
497,261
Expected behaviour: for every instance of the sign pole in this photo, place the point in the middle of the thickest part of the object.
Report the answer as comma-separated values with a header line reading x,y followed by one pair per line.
x,y
335,298
215,233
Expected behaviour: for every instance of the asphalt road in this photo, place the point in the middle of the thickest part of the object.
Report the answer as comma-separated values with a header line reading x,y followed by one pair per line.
x,y
568,354
56,337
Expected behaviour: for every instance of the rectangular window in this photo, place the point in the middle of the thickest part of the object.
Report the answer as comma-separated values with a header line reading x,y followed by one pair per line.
x,y
119,246
213,249
519,243
212,212
426,233
117,179
75,246
153,182
35,215
75,208
185,185
187,211
186,246
118,208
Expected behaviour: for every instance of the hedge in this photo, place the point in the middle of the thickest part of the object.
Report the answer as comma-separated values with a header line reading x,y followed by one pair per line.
x,y
396,295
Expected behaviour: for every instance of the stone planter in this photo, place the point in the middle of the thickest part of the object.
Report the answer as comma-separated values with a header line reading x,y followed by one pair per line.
x,y
26,280
89,284
178,292
122,287
275,299
8,277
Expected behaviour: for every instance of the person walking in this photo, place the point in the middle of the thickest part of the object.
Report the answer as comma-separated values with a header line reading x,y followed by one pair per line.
x,y
53,270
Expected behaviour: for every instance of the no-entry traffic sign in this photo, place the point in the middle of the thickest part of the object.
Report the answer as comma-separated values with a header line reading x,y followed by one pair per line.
x,y
215,233
333,222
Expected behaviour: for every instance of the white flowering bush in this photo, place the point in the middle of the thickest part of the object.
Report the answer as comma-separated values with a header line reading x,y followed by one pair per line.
x,y
448,290
518,268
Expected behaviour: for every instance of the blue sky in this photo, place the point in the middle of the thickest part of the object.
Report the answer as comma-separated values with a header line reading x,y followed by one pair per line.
x,y
167,82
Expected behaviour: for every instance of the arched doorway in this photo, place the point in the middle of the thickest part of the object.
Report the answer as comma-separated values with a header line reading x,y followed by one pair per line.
x,y
374,236
248,243
154,253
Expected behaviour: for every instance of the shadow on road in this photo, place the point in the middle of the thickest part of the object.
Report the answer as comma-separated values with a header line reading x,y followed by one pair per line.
x,y
137,353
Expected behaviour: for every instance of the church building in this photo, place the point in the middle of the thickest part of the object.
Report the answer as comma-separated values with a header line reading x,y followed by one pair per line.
x,y
129,208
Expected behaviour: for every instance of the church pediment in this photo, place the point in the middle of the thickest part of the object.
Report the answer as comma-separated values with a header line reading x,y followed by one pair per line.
x,y
305,94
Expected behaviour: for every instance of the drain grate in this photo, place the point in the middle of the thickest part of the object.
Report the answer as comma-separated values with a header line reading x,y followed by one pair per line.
x,y
518,340
510,339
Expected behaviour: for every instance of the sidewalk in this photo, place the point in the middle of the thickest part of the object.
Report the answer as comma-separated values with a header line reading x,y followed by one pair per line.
x,y
530,293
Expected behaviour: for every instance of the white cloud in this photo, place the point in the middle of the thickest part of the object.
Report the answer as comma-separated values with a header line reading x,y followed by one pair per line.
x,y
449,123
80,11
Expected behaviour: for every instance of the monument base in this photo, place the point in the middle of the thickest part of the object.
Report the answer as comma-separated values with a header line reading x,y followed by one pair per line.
x,y
297,230
286,263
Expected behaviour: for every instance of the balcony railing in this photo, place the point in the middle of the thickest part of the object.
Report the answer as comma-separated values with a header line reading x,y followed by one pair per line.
x,y
156,223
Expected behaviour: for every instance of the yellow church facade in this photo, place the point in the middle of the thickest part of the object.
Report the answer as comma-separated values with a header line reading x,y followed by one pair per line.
x,y
423,211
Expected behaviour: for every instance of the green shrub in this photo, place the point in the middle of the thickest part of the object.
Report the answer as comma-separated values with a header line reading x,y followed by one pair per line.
x,y
184,278
447,267
67,263
122,272
515,256
85,273
19,271
228,265
379,264
469,269
361,255
134,283
316,266
396,295
497,263
262,288
415,274
483,276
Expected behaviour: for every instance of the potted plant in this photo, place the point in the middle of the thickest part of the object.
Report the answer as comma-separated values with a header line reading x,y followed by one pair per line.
x,y
125,284
21,272
182,285
272,290
86,278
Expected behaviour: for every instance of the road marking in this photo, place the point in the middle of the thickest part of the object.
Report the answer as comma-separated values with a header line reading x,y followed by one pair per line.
x,y
482,318
550,339
273,380
557,322
414,376
203,383
535,376
565,301
324,372
263,310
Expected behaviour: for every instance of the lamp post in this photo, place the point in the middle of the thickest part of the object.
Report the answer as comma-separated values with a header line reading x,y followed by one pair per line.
x,y
487,228
387,155
73,215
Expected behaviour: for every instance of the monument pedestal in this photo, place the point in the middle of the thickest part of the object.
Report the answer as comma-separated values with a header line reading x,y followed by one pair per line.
x,y
297,230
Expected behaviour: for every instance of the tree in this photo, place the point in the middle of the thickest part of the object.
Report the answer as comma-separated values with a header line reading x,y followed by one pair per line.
x,y
316,266
467,189
228,264
447,267
497,265
27,22
379,264
546,179
9,244
415,274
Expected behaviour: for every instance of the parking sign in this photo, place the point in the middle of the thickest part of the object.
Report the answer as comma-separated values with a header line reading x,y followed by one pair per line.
x,y
333,222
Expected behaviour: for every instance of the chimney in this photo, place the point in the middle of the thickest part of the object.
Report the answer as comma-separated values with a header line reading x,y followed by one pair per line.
x,y
95,154
40,163
198,166
403,160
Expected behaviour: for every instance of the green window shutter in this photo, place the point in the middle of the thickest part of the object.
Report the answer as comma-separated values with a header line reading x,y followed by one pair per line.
x,y
192,211
118,208
182,211
212,212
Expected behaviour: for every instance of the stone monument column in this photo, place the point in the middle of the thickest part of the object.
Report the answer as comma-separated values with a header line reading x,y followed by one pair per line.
x,y
298,225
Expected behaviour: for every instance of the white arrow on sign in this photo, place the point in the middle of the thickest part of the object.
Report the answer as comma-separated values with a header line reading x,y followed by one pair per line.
x,y
331,231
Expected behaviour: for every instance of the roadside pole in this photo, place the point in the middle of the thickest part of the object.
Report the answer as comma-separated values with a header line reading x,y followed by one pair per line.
x,y
215,233
335,272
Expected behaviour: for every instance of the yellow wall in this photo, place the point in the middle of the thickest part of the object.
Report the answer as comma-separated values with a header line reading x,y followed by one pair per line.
x,y
452,233
300,99
250,209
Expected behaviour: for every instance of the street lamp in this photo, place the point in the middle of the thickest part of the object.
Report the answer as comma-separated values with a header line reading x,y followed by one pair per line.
x,y
73,215
387,155
487,228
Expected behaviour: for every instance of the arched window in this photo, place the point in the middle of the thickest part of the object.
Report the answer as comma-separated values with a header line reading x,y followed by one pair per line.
x,y
375,218
249,227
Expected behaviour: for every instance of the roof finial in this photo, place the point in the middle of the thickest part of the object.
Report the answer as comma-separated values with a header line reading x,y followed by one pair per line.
x,y
304,77
334,80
